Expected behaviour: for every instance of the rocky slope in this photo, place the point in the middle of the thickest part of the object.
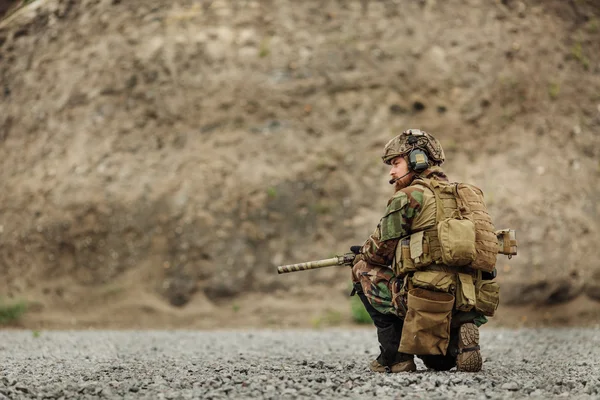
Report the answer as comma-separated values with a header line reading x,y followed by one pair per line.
x,y
156,155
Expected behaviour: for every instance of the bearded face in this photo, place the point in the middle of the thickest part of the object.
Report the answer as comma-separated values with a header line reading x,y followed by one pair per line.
x,y
400,173
402,183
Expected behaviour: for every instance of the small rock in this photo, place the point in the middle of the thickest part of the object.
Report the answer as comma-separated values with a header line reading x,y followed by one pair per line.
x,y
21,388
576,165
513,386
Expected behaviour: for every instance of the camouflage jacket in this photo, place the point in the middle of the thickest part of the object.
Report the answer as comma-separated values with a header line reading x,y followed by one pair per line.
x,y
402,209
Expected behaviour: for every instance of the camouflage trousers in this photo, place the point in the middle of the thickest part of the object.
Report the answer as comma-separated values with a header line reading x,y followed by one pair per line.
x,y
381,287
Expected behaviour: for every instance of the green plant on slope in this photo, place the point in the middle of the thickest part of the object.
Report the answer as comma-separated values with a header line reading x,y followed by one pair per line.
x,y
11,312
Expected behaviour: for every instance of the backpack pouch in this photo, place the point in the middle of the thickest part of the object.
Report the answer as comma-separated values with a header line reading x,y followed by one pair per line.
x,y
488,297
457,241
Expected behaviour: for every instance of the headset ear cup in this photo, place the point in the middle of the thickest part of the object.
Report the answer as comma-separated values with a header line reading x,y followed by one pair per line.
x,y
418,160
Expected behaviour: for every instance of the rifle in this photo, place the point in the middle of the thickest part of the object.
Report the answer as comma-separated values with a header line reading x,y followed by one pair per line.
x,y
507,245
345,259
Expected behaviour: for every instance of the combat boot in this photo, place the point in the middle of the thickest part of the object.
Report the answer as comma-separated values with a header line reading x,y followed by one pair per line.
x,y
469,355
389,331
390,359
401,363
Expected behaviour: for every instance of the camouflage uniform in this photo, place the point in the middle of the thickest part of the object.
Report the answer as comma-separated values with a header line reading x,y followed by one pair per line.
x,y
381,291
379,284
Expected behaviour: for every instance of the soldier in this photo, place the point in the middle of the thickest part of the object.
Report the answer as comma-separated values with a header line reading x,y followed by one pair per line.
x,y
404,253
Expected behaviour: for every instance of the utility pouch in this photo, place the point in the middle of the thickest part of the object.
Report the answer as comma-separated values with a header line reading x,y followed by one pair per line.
x,y
403,264
413,253
419,250
457,241
465,293
488,297
426,329
434,280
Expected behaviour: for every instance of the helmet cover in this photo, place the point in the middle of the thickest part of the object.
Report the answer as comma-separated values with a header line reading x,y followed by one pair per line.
x,y
412,139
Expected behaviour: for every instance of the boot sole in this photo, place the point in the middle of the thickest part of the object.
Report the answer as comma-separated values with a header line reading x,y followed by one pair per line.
x,y
468,337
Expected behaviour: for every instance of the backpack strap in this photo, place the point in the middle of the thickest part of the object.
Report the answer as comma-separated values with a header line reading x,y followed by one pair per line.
x,y
463,205
434,186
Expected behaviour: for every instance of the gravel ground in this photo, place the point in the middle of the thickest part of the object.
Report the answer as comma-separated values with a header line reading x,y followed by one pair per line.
x,y
284,364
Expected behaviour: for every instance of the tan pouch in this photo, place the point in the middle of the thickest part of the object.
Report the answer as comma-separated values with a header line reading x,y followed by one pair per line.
x,y
465,293
457,241
402,263
419,250
426,329
488,297
434,280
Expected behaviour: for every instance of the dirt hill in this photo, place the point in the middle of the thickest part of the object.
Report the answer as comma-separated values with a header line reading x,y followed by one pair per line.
x,y
159,159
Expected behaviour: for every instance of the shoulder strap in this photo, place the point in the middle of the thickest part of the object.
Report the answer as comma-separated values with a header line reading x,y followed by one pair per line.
x,y
461,201
434,186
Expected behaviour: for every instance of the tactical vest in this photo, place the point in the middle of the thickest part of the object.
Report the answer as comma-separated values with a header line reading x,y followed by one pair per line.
x,y
442,200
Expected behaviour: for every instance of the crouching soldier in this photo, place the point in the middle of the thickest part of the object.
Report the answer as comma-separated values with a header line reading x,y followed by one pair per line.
x,y
425,274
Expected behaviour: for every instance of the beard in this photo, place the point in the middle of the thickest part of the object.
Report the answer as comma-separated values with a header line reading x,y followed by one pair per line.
x,y
403,182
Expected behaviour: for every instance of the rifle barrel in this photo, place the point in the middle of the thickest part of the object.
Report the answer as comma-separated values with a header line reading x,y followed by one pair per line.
x,y
328,262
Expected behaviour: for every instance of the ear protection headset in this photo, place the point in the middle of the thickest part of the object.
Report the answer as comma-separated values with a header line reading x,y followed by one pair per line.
x,y
417,158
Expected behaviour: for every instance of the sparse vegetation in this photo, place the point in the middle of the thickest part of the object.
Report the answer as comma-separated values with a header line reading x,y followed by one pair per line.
x,y
272,192
577,52
113,290
323,207
359,313
593,25
264,49
11,312
327,318
553,90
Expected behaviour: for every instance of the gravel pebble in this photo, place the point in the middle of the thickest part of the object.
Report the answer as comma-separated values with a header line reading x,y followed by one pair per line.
x,y
548,363
511,386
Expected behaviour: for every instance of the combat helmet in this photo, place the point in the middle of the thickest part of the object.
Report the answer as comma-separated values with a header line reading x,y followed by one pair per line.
x,y
410,140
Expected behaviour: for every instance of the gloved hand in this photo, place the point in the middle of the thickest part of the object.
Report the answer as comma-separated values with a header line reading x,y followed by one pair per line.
x,y
355,249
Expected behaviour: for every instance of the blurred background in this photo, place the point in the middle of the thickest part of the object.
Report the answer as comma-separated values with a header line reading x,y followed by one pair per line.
x,y
160,159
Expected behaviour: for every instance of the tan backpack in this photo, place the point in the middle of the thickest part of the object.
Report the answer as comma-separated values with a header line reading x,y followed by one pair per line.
x,y
465,230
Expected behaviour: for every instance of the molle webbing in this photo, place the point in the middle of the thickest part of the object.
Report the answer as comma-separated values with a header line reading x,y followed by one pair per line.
x,y
434,244
486,243
455,270
445,205
466,200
